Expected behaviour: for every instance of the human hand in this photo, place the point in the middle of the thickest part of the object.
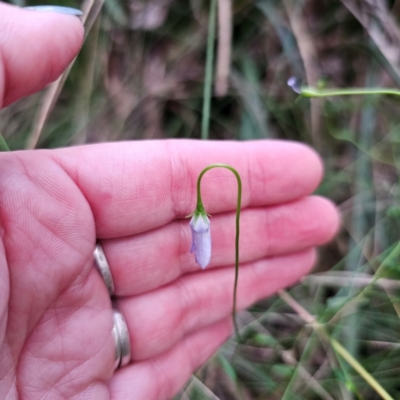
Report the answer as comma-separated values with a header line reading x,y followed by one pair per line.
x,y
55,312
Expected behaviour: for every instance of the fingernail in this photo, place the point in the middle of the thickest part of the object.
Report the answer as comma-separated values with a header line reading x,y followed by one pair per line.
x,y
56,9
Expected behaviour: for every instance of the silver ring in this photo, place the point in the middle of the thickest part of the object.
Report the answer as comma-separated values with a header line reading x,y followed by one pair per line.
x,y
120,328
115,334
104,269
122,341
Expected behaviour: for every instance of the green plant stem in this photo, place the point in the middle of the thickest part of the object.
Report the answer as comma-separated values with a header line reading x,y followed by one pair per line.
x,y
208,77
339,349
314,92
3,144
200,207
360,369
354,363
391,259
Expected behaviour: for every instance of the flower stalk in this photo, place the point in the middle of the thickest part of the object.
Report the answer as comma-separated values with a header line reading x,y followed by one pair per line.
x,y
200,226
309,91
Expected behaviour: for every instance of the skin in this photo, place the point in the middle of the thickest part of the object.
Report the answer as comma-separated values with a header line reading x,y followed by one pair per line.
x,y
55,312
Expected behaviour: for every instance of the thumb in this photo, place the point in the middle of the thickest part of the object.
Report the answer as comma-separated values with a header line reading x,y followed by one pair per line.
x,y
35,48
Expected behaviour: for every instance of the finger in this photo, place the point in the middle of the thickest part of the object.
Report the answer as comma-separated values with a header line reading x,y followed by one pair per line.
x,y
161,378
159,319
35,48
160,256
135,187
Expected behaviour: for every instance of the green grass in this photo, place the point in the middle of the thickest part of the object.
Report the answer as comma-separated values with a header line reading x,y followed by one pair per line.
x,y
110,95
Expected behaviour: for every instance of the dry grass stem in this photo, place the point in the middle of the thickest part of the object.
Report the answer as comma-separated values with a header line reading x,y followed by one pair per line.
x,y
224,47
346,278
300,310
309,56
377,20
197,383
249,322
335,344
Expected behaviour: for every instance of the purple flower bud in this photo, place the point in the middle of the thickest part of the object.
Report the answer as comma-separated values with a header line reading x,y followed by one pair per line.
x,y
201,238
295,84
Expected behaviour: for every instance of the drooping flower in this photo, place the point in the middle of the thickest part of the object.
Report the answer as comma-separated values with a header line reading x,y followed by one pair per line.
x,y
201,234
201,238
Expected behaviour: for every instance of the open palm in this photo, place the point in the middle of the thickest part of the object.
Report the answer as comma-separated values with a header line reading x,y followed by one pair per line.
x,y
56,318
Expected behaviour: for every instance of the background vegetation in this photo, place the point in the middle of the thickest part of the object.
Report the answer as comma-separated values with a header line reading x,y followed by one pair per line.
x,y
140,75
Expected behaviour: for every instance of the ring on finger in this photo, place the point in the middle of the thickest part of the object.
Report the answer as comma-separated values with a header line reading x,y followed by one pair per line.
x,y
104,268
122,340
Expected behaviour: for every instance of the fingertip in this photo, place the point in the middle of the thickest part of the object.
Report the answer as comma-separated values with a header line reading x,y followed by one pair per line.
x,y
319,221
304,264
293,167
35,47
332,219
312,162
306,261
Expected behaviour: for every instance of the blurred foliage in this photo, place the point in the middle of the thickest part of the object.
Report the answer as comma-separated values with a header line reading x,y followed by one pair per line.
x,y
140,76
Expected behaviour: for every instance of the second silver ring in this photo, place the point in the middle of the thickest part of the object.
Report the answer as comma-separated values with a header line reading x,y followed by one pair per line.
x,y
122,340
104,268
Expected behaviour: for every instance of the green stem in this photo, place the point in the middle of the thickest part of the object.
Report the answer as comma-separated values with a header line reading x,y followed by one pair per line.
x,y
339,349
314,92
360,369
200,207
3,144
205,123
354,363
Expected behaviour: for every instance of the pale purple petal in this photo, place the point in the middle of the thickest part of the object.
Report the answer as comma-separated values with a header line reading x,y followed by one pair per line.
x,y
201,239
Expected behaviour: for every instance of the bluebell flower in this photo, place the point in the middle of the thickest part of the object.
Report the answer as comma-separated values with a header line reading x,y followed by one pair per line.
x,y
201,238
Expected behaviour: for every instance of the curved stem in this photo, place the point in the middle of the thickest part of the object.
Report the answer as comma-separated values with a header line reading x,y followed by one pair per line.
x,y
200,207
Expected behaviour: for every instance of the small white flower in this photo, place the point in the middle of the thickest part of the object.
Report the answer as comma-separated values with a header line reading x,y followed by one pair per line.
x,y
201,238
